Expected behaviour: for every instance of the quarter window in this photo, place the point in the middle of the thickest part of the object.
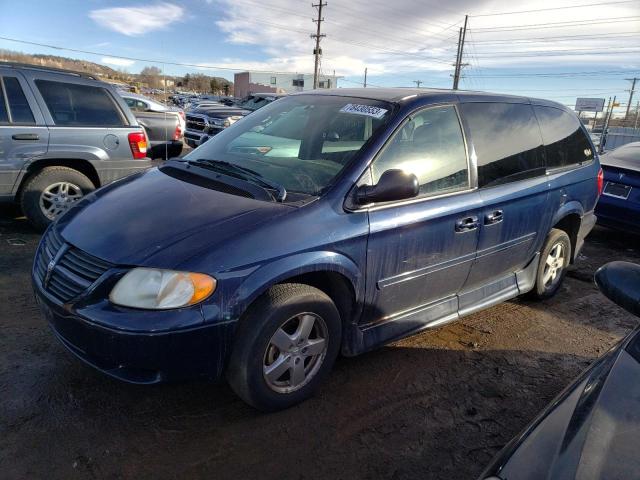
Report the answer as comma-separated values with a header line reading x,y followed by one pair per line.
x,y
565,142
80,105
507,142
429,145
18,105
4,118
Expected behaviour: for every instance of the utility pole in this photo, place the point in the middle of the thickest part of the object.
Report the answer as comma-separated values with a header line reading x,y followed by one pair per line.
x,y
461,38
365,77
637,112
633,88
605,126
418,82
317,52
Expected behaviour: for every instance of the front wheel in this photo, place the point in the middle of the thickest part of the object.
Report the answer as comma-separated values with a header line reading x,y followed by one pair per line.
x,y
554,260
285,346
51,192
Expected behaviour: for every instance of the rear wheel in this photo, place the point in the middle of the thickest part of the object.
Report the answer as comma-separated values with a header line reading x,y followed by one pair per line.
x,y
51,192
285,346
554,260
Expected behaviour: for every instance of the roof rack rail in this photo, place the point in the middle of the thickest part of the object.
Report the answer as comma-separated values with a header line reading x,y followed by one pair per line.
x,y
48,69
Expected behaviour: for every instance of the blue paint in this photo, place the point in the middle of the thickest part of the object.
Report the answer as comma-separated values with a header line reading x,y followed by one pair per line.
x,y
408,265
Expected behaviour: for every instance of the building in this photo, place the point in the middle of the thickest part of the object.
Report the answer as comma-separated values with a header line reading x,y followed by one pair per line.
x,y
246,83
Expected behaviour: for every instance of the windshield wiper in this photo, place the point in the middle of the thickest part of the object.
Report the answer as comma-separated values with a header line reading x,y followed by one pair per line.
x,y
243,173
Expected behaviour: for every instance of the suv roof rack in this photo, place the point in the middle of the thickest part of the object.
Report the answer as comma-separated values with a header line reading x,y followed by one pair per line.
x,y
48,69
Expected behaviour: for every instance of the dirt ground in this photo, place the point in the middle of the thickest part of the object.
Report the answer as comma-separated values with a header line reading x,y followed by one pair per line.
x,y
435,406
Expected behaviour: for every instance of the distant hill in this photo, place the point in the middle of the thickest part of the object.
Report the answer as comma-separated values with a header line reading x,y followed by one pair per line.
x,y
198,81
65,63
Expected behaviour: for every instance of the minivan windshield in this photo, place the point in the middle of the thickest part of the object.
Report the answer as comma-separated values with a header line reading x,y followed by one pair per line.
x,y
301,142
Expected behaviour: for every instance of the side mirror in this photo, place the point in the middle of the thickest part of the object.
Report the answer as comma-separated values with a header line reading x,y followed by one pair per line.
x,y
620,283
332,137
393,185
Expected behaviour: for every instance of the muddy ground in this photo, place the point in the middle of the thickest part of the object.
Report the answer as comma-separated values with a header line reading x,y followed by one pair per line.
x,y
436,406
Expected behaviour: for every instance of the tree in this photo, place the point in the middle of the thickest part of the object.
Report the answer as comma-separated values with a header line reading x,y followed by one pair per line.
x,y
215,86
151,76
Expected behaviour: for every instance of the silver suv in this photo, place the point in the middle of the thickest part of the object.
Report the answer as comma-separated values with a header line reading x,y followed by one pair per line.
x,y
62,135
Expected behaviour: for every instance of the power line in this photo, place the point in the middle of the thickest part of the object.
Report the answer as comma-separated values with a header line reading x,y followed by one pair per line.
x,y
562,74
552,8
577,23
554,38
565,53
136,59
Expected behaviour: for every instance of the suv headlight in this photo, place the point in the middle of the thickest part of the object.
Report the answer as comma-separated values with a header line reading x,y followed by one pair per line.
x,y
218,122
156,289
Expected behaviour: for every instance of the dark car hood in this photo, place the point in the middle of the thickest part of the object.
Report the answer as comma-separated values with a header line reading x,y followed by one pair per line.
x,y
156,220
220,112
592,431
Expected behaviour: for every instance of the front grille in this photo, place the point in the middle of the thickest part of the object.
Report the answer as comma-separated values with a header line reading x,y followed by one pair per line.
x,y
74,271
195,123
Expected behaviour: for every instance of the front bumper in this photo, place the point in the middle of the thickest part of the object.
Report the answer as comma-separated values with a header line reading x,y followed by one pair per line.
x,y
139,356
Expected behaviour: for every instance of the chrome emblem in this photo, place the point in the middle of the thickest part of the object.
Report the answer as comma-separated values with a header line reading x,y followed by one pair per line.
x,y
620,176
47,276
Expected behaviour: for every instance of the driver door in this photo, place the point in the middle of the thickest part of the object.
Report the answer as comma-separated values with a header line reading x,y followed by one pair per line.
x,y
420,251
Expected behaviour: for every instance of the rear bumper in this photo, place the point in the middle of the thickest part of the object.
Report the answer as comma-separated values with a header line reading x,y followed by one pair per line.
x,y
586,225
618,213
112,170
140,357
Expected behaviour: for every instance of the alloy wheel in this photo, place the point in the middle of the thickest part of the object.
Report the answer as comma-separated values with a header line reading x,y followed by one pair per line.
x,y
57,198
295,353
554,265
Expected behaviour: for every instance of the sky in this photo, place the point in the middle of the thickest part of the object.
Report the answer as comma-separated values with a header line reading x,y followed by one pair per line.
x,y
550,49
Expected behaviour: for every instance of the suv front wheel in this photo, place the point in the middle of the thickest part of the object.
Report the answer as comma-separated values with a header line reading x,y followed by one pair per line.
x,y
51,192
285,346
554,260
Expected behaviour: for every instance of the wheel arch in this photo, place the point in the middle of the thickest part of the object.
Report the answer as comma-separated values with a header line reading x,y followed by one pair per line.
x,y
83,166
334,274
569,219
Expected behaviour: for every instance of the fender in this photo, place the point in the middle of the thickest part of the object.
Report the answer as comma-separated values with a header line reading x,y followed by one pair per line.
x,y
568,208
272,273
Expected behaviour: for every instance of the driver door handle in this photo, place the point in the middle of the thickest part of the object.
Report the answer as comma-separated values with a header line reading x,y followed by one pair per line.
x,y
467,224
25,136
493,217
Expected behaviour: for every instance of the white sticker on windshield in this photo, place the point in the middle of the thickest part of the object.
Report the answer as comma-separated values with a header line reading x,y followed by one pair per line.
x,y
367,110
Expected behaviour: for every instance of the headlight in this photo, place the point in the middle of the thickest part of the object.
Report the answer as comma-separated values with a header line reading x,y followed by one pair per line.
x,y
216,121
156,289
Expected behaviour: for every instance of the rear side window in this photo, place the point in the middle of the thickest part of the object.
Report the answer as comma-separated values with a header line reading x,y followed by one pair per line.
x,y
565,142
80,105
4,118
507,142
431,146
18,105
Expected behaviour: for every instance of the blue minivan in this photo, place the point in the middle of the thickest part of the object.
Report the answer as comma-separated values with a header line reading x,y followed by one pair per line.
x,y
328,222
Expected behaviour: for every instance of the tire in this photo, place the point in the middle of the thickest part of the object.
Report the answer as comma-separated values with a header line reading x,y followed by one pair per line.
x,y
33,191
550,275
256,362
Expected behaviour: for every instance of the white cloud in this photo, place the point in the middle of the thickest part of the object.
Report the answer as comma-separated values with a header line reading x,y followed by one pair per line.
x,y
396,38
135,21
120,62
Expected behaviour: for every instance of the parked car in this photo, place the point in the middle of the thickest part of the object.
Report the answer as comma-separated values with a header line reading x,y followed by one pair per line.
x,y
206,120
163,125
395,211
619,206
63,135
592,429
258,100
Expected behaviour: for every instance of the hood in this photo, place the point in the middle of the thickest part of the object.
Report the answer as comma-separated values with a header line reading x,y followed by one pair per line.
x,y
592,431
220,112
153,219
